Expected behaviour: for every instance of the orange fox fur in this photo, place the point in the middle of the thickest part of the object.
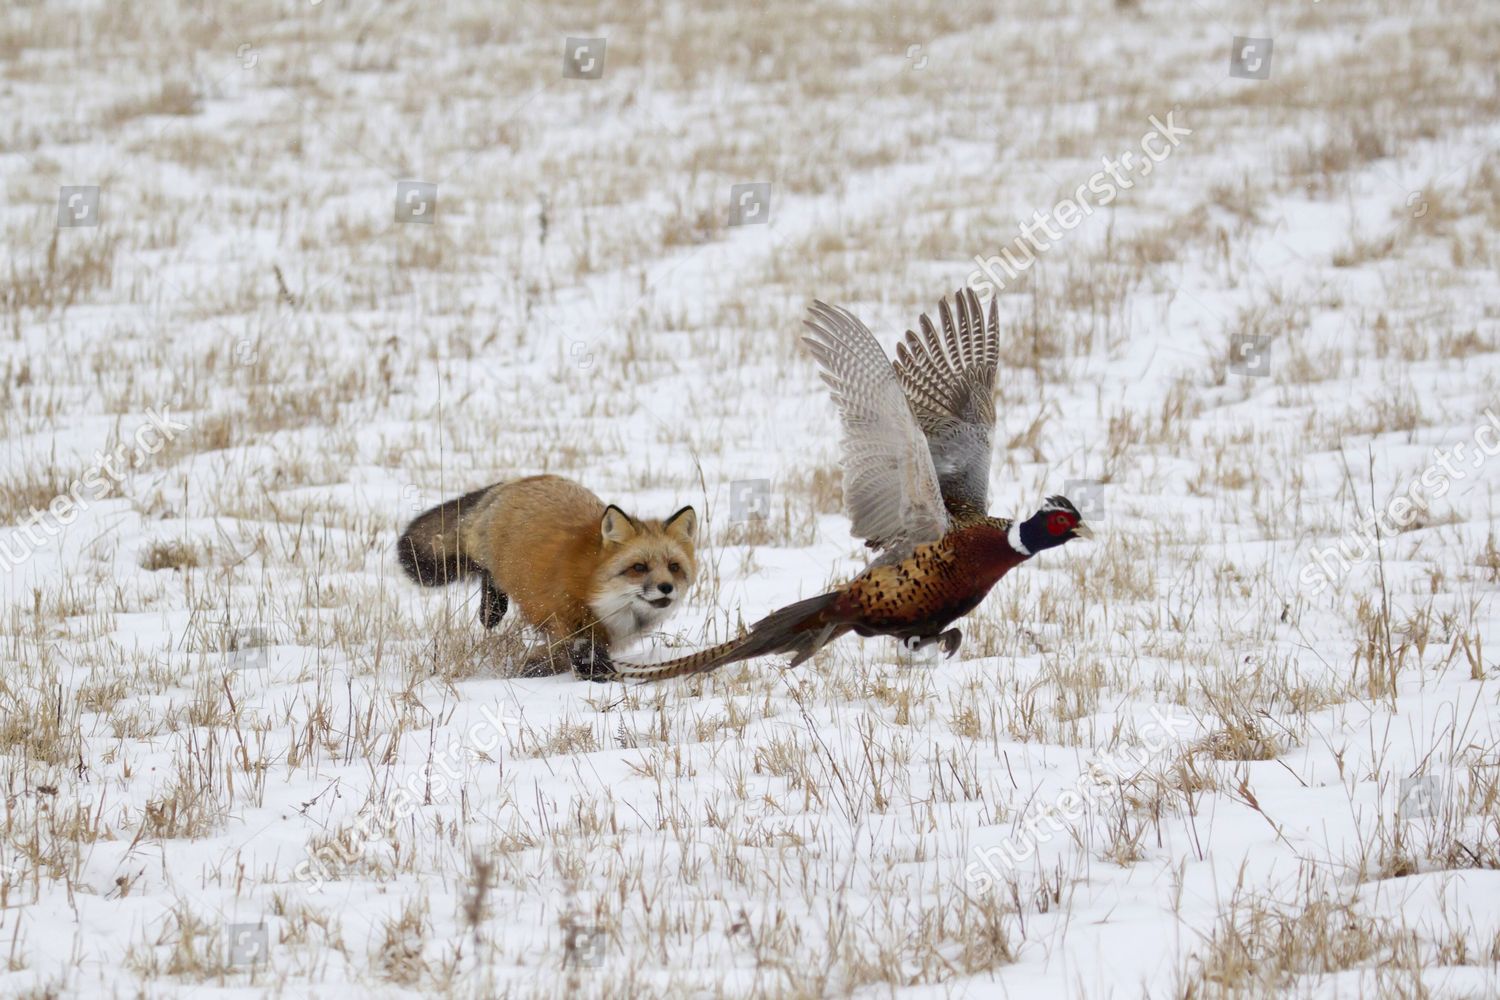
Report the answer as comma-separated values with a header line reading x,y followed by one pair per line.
x,y
586,574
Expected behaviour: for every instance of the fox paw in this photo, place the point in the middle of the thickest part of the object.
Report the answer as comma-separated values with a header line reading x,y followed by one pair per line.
x,y
594,665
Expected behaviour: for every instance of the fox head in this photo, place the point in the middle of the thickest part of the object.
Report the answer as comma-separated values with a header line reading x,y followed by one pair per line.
x,y
645,565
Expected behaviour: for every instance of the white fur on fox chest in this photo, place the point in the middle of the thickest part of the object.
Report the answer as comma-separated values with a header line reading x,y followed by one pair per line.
x,y
624,616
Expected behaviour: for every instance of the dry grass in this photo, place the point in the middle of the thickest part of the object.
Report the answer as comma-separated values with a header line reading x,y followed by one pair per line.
x,y
64,268
218,671
1261,946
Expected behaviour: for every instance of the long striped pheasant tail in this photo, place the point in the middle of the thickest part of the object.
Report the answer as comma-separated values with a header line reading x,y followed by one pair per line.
x,y
700,662
800,629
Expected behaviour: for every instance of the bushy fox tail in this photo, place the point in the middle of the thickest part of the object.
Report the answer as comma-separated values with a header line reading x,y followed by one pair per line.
x,y
799,628
430,550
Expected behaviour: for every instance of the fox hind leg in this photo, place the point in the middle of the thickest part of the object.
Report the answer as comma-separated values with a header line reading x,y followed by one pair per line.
x,y
492,602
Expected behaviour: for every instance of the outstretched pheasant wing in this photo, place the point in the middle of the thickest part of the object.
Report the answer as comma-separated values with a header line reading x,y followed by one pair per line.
x,y
890,488
949,379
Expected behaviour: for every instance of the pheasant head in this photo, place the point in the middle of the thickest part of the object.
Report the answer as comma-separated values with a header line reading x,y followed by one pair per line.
x,y
1056,522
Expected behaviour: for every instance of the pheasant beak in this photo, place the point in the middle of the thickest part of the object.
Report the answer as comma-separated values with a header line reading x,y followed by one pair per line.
x,y
1081,530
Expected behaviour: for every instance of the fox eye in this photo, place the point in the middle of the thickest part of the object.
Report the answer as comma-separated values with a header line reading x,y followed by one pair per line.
x,y
639,568
674,568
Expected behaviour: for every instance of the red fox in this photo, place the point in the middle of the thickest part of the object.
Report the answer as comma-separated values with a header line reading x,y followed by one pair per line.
x,y
587,575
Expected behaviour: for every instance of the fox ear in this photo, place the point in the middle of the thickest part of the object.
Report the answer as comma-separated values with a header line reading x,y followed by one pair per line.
x,y
616,526
683,524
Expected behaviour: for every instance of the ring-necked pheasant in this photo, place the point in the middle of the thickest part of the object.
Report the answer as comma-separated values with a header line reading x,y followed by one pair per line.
x,y
916,443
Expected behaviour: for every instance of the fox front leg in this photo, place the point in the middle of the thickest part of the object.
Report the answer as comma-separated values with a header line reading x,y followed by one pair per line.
x,y
592,662
492,603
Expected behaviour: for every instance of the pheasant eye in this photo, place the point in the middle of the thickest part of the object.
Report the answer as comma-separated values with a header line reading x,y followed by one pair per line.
x,y
1059,523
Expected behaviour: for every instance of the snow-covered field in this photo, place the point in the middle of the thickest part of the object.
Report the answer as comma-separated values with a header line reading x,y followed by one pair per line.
x,y
1250,292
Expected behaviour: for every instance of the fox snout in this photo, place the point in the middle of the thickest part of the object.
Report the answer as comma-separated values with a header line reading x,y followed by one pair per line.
x,y
658,592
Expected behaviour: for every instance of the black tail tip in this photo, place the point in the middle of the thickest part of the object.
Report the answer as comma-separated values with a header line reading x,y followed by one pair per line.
x,y
420,565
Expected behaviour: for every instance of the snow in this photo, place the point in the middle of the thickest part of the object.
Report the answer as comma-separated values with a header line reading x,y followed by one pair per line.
x,y
1179,742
